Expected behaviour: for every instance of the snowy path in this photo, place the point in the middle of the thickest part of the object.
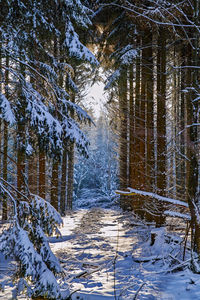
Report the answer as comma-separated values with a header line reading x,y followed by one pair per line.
x,y
105,255
96,252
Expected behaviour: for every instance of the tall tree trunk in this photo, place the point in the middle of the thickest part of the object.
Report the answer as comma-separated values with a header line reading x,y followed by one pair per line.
x,y
161,119
193,144
131,129
136,178
42,173
54,183
21,138
5,168
55,160
20,156
1,89
33,174
142,118
63,187
123,108
70,176
150,157
5,144
63,181
70,169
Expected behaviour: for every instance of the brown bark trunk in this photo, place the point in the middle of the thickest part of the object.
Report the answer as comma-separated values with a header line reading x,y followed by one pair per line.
x,y
193,151
5,169
142,117
5,145
20,157
131,130
33,175
123,151
161,120
42,174
136,178
70,175
150,158
54,183
21,138
63,181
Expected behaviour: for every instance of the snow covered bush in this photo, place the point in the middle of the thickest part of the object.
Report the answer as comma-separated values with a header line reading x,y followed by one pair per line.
x,y
26,240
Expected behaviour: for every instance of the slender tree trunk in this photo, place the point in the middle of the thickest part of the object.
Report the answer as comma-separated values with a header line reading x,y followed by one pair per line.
x,y
136,178
131,129
55,160
21,138
70,169
193,144
150,156
20,156
123,152
42,173
54,183
33,174
70,173
142,118
5,168
161,119
5,145
1,89
63,181
63,187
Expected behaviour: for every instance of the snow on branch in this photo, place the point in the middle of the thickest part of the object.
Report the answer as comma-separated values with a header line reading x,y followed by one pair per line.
x,y
6,111
112,79
76,48
26,240
177,215
149,18
152,195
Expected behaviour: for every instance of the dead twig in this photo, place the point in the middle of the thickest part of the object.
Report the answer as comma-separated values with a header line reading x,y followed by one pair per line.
x,y
139,289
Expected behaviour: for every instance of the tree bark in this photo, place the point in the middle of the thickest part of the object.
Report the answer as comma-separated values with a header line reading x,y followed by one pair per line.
x,y
150,156
5,145
123,151
42,173
63,181
70,176
161,120
131,129
54,183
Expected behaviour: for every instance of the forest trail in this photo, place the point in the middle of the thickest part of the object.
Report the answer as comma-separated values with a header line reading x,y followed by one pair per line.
x,y
94,243
106,254
96,251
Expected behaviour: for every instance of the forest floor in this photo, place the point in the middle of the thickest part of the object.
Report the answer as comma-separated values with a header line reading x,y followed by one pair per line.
x,y
108,254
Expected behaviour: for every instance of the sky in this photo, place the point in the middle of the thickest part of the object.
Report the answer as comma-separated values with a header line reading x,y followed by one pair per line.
x,y
96,98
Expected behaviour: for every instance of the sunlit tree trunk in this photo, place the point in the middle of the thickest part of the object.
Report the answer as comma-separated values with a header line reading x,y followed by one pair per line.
x,y
70,176
5,144
70,169
131,129
123,144
150,157
142,116
193,143
63,180
55,159
136,178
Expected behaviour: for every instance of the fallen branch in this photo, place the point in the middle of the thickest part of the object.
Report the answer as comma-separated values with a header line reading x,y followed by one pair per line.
x,y
137,293
132,191
150,258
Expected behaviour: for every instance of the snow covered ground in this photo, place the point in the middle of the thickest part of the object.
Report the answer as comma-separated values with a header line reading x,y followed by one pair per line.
x,y
107,254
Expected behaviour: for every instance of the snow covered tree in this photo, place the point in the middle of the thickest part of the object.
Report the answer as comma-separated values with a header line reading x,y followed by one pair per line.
x,y
98,172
